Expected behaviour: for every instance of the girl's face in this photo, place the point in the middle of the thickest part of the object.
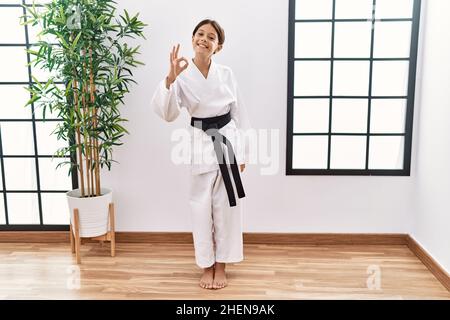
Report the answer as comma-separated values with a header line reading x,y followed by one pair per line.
x,y
205,41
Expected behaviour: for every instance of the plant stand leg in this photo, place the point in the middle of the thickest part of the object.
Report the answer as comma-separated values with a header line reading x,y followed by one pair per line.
x,y
112,229
77,235
72,240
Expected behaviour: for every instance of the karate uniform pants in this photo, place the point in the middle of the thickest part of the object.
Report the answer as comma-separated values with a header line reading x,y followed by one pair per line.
x,y
216,227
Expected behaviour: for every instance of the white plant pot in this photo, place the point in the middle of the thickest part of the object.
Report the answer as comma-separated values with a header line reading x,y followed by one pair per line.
x,y
93,212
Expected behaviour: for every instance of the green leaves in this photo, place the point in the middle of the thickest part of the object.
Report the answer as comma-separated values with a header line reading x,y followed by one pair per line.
x,y
103,35
131,27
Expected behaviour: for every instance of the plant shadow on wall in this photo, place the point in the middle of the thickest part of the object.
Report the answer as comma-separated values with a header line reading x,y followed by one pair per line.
x,y
82,45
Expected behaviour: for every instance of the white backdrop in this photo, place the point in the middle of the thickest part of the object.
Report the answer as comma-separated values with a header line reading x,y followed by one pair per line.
x,y
432,137
151,193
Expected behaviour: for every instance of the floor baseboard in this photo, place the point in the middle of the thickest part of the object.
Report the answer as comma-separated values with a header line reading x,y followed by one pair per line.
x,y
253,238
34,236
429,262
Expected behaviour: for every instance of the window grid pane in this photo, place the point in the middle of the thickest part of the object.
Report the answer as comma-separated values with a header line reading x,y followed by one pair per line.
x,y
32,192
366,60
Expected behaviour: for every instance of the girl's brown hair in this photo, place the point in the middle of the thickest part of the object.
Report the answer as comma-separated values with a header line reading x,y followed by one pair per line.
x,y
216,26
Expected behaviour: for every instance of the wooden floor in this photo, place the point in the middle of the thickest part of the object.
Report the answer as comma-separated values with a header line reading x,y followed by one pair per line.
x,y
168,271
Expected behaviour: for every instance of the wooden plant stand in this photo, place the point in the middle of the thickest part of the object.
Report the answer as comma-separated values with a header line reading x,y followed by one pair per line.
x,y
76,240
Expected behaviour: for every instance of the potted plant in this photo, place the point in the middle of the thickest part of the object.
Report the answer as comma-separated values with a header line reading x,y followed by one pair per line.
x,y
91,64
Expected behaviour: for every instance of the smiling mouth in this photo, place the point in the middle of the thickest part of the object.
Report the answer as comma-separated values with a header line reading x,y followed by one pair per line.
x,y
202,46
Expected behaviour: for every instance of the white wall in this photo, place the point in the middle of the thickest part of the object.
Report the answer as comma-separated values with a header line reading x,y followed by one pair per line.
x,y
432,135
152,193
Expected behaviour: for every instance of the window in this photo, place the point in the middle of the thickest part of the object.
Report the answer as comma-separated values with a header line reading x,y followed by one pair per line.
x,y
351,81
32,195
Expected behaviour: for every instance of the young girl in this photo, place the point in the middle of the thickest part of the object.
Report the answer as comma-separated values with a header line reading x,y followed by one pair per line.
x,y
208,91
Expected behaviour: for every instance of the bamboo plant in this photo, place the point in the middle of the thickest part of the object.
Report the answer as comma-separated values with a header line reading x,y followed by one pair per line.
x,y
90,64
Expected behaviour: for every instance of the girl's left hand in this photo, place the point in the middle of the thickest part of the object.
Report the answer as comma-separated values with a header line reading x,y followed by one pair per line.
x,y
242,166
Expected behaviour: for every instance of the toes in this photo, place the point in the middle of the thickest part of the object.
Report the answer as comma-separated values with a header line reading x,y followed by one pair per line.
x,y
219,285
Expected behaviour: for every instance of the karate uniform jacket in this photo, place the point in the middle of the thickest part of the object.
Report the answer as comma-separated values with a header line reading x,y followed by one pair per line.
x,y
205,97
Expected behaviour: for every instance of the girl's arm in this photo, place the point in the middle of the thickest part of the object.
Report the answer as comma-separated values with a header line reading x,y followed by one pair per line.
x,y
166,101
240,116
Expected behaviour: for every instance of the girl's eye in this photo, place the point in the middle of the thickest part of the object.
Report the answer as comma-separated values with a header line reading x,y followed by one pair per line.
x,y
211,38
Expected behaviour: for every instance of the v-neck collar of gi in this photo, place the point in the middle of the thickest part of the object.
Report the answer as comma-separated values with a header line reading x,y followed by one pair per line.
x,y
210,71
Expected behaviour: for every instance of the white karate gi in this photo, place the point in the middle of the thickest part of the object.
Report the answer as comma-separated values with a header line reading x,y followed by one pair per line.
x,y
217,227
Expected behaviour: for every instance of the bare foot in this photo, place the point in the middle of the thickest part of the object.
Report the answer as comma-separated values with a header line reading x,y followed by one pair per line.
x,y
206,281
220,278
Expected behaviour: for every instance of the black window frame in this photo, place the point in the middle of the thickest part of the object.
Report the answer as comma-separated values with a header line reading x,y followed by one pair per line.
x,y
415,20
41,226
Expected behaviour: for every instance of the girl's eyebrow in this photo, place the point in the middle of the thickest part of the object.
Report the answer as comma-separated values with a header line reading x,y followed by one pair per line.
x,y
208,33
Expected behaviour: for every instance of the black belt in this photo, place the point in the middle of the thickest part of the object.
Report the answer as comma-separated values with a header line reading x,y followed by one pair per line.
x,y
211,126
